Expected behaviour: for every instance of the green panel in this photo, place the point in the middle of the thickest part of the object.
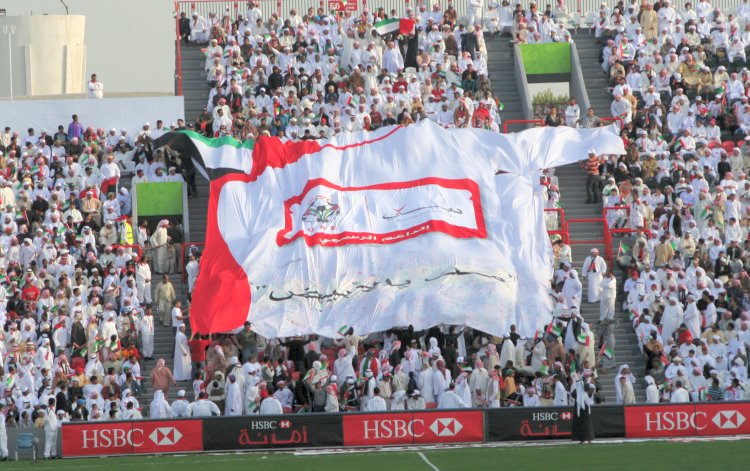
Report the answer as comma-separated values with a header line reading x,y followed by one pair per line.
x,y
546,58
159,199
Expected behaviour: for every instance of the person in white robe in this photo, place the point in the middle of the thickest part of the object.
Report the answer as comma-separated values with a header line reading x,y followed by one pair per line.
x,y
234,398
478,382
652,392
680,394
416,401
271,406
572,290
143,281
146,329
159,244
531,398
451,400
199,29
494,392
180,407
182,365
441,380
393,61
594,268
159,408
561,394
398,400
342,367
692,318
425,382
192,268
252,395
507,350
608,296
376,403
623,372
462,387
671,318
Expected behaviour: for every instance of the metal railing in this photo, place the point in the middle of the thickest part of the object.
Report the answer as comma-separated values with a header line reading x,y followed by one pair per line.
x,y
616,231
562,229
606,239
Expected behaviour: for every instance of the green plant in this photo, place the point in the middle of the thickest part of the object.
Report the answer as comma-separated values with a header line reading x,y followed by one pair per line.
x,y
543,101
547,97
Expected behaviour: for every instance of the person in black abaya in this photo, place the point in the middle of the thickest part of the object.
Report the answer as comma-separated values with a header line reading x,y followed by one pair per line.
x,y
583,426
409,48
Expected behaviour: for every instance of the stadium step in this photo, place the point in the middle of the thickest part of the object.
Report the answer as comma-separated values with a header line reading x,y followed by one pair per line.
x,y
571,180
195,88
500,66
593,74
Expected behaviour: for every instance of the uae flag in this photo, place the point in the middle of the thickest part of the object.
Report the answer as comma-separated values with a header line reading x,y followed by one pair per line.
x,y
395,25
371,230
607,352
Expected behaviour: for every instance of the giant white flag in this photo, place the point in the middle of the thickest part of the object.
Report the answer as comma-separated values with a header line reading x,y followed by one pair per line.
x,y
405,225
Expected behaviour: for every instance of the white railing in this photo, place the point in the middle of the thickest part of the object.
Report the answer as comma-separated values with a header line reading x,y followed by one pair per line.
x,y
234,8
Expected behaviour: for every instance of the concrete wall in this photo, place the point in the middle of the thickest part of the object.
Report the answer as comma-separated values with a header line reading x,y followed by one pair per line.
x,y
129,43
47,53
523,85
577,83
129,113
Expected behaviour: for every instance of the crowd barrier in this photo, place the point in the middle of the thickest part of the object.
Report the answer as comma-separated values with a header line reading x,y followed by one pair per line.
x,y
430,427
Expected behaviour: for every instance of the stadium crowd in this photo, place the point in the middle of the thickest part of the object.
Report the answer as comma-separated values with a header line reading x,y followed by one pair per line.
x,y
680,85
75,280
307,76
79,310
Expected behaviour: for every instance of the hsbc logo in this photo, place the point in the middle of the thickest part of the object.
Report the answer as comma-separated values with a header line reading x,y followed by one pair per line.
x,y
86,439
269,424
551,416
165,436
400,428
729,419
675,421
446,427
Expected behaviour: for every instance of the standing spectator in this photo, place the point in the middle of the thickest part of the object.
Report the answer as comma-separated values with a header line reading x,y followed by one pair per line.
x,y
591,166
165,297
182,364
95,88
161,377
75,129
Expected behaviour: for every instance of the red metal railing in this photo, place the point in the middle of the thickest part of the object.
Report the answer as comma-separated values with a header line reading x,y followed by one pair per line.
x,y
562,230
615,231
179,48
183,249
538,122
136,248
606,239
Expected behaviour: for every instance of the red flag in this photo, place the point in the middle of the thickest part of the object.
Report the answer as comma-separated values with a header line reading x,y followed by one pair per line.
x,y
406,26
109,182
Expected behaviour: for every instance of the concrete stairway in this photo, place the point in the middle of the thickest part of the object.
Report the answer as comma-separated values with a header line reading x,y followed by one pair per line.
x,y
195,91
163,348
195,88
500,66
573,196
597,82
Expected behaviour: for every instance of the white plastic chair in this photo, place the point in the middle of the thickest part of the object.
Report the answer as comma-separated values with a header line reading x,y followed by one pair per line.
x,y
590,20
574,22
